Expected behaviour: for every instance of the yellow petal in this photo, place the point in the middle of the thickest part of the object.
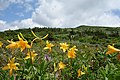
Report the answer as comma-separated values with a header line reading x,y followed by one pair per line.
x,y
47,42
112,49
19,38
10,41
10,72
1,44
5,68
28,46
13,45
64,50
34,55
80,73
33,41
27,57
17,64
22,36
74,48
46,48
12,60
45,37
85,68
33,33
22,48
32,59
61,65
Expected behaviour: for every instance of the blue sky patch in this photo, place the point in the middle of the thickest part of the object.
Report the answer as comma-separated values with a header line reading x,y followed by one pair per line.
x,y
16,11
116,12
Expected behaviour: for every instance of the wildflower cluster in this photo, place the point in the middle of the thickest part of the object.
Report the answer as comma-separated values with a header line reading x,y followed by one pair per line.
x,y
22,43
52,60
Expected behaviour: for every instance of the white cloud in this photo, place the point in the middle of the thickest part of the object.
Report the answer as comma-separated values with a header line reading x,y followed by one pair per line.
x,y
48,13
26,23
63,13
104,20
4,26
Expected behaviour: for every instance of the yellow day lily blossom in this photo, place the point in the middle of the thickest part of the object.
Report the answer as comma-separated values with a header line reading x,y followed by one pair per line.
x,y
22,44
48,46
1,44
61,65
112,49
80,73
64,46
11,65
13,45
31,55
71,54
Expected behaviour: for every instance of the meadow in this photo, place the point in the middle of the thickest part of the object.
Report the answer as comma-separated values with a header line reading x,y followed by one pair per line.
x,y
81,53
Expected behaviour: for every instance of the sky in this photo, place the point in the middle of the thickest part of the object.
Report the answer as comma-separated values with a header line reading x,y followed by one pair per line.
x,y
17,14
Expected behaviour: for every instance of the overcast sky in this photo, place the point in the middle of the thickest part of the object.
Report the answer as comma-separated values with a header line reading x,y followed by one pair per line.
x,y
15,14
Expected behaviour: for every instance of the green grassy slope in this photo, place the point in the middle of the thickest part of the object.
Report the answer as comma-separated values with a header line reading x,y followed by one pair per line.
x,y
82,34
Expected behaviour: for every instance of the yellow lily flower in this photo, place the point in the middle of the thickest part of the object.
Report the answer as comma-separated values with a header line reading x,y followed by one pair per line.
x,y
61,65
48,46
31,55
112,49
64,46
80,73
23,44
71,54
1,44
11,65
13,45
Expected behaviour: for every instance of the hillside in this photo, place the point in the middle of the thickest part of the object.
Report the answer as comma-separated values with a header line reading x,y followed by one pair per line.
x,y
82,34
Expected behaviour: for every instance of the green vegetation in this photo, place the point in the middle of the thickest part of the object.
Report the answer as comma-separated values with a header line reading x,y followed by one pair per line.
x,y
91,58
83,34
